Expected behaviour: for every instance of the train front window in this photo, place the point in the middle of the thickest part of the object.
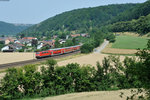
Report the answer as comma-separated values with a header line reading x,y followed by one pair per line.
x,y
37,53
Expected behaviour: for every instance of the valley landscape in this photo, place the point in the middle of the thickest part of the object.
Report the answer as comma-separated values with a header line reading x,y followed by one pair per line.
x,y
114,44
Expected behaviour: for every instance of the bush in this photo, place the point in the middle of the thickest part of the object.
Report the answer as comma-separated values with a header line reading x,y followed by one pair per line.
x,y
86,48
111,37
21,50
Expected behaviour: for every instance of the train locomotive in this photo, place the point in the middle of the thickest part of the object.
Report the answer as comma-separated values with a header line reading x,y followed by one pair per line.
x,y
57,51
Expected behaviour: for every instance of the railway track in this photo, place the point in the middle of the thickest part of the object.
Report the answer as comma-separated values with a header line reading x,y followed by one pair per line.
x,y
22,63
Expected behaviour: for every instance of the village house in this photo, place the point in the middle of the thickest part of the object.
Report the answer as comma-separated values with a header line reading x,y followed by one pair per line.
x,y
8,48
55,36
26,41
12,47
7,40
75,35
16,44
29,38
50,43
85,35
61,41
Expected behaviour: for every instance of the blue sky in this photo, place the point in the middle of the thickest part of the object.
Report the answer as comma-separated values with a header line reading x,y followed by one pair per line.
x,y
35,11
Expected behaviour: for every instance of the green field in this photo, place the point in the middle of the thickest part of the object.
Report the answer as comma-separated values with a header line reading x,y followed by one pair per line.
x,y
130,42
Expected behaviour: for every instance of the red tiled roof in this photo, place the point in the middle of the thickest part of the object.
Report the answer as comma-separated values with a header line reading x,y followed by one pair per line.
x,y
29,38
20,44
75,35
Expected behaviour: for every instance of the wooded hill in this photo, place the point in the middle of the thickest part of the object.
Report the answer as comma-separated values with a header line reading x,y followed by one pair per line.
x,y
141,25
136,19
12,29
79,20
136,12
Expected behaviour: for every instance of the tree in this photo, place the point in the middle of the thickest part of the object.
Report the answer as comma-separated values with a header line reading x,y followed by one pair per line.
x,y
57,44
22,36
2,35
143,67
111,37
86,48
51,63
34,42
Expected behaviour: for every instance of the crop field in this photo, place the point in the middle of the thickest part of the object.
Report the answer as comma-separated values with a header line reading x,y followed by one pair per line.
x,y
15,57
130,42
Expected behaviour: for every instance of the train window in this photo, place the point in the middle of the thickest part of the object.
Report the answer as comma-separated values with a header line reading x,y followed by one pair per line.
x,y
37,52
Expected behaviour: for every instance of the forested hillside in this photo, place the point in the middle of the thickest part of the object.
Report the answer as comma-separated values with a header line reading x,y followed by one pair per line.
x,y
136,19
11,29
142,9
141,25
80,20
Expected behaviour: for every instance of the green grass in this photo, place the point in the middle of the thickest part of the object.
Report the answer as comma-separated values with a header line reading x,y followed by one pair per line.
x,y
130,42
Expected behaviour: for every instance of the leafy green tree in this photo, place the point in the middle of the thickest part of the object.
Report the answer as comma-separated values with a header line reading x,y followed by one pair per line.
x,y
86,48
10,84
57,44
2,44
22,36
32,80
62,36
51,63
143,68
111,37
34,42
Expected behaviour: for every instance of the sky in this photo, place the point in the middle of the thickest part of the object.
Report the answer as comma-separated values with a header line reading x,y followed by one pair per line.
x,y
35,11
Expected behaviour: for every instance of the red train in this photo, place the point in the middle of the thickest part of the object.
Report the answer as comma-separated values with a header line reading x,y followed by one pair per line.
x,y
57,51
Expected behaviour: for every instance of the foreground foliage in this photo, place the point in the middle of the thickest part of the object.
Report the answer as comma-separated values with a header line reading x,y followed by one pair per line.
x,y
54,80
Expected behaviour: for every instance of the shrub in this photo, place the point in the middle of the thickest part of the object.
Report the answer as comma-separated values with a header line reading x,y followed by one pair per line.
x,y
87,48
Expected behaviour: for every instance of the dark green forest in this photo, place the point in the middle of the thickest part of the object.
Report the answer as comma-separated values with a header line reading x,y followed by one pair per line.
x,y
136,19
11,29
142,9
141,25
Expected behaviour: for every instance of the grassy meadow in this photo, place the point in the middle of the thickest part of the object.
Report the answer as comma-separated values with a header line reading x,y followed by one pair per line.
x,y
130,42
